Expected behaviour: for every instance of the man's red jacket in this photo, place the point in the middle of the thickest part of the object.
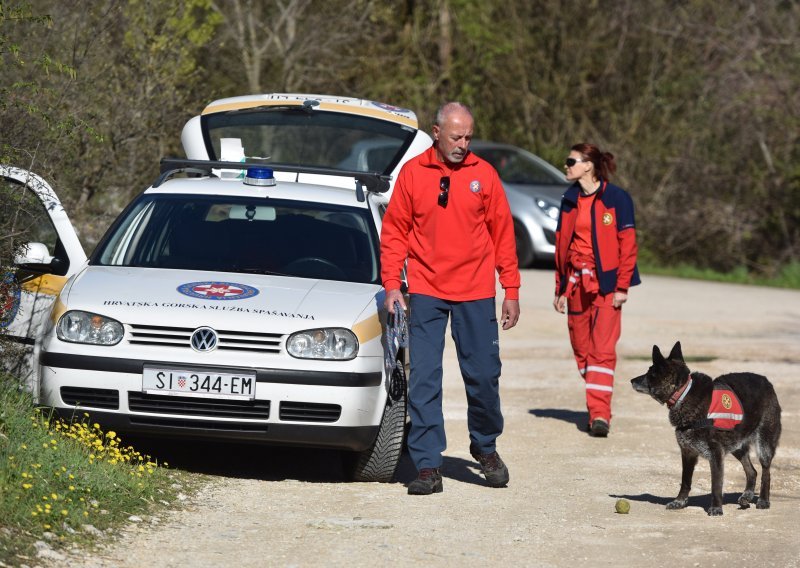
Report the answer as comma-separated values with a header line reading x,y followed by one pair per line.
x,y
452,251
613,238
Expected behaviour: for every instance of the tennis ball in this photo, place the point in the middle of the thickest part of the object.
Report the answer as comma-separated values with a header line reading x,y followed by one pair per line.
x,y
622,506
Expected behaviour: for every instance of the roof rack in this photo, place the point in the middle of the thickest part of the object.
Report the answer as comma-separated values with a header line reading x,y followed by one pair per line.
x,y
372,181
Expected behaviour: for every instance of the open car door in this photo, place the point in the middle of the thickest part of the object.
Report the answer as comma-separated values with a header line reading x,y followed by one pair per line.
x,y
34,273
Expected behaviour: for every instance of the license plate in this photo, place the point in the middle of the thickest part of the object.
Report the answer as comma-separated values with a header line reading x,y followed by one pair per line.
x,y
199,383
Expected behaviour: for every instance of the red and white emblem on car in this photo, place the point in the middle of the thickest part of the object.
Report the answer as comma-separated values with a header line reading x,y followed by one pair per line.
x,y
217,290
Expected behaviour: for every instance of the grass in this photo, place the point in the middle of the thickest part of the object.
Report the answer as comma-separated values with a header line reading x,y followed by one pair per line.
x,y
788,277
57,478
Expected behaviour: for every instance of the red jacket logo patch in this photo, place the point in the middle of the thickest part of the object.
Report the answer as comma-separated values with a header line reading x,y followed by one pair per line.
x,y
725,410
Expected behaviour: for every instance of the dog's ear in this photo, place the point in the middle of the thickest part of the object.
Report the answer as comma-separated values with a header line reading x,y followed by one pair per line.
x,y
658,358
676,354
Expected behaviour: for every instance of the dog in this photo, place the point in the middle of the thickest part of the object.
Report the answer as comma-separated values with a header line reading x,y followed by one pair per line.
x,y
712,418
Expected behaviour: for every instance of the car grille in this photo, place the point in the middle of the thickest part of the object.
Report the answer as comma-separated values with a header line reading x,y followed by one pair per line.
x,y
550,236
309,412
94,398
202,425
181,337
197,406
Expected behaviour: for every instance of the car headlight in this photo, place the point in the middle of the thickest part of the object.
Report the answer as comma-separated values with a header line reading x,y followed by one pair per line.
x,y
331,343
548,207
85,327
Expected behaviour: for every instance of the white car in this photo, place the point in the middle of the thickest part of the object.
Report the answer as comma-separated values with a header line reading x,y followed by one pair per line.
x,y
239,297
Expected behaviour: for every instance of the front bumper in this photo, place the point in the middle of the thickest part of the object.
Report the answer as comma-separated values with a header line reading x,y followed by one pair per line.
x,y
291,407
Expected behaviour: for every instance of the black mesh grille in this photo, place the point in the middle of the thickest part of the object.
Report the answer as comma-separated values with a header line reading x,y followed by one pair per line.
x,y
309,412
196,406
169,336
94,398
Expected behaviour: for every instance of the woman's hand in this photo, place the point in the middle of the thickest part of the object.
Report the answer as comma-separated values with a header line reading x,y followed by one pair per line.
x,y
619,299
560,304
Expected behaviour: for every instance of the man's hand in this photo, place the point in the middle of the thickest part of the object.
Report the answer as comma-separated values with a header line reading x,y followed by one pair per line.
x,y
510,314
393,296
560,304
619,299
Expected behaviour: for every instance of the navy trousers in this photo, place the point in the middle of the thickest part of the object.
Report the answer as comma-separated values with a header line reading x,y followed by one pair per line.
x,y
475,332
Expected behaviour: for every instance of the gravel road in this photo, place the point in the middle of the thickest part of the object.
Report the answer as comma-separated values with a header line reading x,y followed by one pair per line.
x,y
279,507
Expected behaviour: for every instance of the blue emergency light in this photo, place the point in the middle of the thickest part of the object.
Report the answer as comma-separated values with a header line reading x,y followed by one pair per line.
x,y
259,176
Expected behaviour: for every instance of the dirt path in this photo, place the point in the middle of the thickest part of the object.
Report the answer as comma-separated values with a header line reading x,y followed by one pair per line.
x,y
289,508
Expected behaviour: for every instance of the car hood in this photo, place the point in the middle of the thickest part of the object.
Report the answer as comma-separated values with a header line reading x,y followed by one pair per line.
x,y
551,192
245,302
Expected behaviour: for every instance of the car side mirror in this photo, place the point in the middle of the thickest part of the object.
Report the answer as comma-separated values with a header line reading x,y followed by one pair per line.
x,y
36,257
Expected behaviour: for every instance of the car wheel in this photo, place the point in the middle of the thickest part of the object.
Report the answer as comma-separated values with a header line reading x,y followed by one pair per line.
x,y
525,255
379,462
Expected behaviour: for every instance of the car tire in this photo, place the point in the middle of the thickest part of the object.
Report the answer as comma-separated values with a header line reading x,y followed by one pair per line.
x,y
379,462
525,254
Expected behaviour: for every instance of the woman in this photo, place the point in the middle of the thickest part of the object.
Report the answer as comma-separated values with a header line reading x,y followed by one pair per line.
x,y
595,266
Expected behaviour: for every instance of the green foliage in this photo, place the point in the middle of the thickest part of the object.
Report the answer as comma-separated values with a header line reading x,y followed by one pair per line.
x,y
787,277
695,98
56,477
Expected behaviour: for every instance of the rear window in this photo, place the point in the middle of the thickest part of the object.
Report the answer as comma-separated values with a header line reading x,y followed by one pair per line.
x,y
306,138
244,235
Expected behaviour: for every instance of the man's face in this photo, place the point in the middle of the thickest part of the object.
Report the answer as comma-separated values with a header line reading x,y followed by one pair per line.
x,y
453,136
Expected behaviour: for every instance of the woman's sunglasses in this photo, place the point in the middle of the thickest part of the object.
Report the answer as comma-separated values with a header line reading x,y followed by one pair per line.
x,y
569,162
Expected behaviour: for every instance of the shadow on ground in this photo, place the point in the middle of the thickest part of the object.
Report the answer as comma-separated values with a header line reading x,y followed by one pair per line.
x,y
702,501
275,463
245,461
579,419
458,469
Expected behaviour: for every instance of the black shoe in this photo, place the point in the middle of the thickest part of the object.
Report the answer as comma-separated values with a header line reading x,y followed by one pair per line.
x,y
428,481
599,428
494,470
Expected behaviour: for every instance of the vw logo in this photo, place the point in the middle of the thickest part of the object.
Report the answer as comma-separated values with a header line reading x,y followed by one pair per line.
x,y
204,339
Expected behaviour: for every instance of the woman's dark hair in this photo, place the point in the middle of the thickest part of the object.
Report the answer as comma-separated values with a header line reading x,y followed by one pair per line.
x,y
604,164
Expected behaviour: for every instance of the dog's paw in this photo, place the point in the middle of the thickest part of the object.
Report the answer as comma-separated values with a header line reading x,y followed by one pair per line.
x,y
745,500
762,504
714,511
678,504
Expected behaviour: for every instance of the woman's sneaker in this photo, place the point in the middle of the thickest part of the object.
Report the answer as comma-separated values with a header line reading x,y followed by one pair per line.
x,y
599,428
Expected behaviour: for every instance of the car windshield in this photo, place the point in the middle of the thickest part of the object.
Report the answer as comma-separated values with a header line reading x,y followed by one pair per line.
x,y
294,136
231,234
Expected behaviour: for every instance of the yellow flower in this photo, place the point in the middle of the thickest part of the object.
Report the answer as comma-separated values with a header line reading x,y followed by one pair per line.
x,y
110,434
24,446
25,474
54,496
46,526
34,514
64,512
72,488
26,485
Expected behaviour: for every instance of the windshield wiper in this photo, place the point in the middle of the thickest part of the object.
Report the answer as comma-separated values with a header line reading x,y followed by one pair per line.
x,y
260,271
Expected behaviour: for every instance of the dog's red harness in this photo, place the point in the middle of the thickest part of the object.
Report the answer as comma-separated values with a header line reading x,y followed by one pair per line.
x,y
725,410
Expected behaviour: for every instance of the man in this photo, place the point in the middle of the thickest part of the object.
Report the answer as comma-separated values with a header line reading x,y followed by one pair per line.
x,y
449,218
